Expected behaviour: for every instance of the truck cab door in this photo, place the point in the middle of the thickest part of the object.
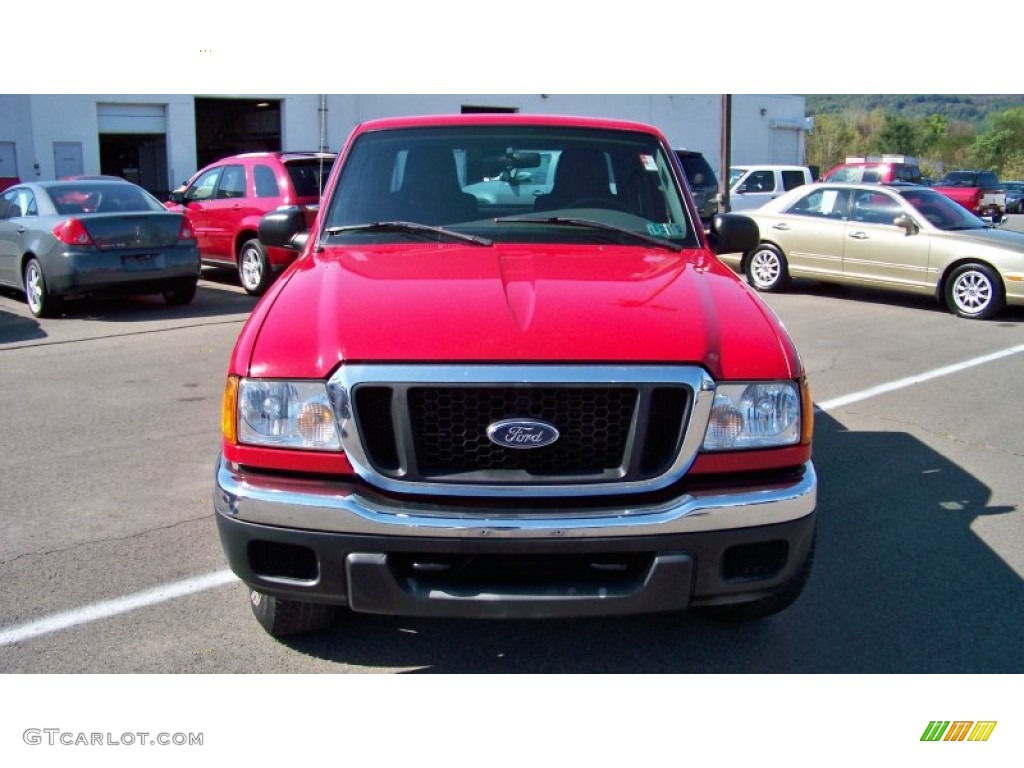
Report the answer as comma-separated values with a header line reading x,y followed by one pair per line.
x,y
754,189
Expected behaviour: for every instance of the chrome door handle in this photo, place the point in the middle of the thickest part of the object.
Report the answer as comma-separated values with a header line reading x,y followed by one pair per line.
x,y
22,230
858,236
781,227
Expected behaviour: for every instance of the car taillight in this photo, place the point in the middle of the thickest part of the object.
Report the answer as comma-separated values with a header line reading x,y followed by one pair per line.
x,y
185,232
72,232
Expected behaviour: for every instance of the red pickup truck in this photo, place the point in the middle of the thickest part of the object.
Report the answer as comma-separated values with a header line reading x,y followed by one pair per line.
x,y
554,404
977,191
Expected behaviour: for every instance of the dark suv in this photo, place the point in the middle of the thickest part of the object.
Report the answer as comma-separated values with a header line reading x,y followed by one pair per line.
x,y
702,181
225,200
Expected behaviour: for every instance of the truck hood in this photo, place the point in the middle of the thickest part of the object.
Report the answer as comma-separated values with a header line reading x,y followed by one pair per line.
x,y
512,303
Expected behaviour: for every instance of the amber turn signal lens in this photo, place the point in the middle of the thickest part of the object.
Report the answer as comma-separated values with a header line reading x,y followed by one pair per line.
x,y
807,409
228,411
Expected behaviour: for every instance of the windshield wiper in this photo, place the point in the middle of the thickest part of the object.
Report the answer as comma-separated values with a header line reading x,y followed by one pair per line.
x,y
406,226
591,224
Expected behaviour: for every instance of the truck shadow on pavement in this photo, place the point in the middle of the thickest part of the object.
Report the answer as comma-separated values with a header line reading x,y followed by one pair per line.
x,y
901,584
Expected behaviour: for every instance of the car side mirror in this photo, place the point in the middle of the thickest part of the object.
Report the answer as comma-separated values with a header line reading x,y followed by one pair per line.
x,y
735,233
906,223
284,228
177,197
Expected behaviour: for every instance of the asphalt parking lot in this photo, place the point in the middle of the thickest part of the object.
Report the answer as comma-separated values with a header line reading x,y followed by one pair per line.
x,y
111,563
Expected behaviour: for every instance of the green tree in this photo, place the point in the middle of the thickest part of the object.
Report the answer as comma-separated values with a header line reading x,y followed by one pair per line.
x,y
897,135
828,144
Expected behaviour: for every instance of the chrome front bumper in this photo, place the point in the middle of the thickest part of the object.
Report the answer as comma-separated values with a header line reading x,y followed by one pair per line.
x,y
351,508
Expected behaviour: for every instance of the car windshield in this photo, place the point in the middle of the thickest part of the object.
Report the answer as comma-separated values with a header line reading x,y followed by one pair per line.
x,y
940,211
735,174
509,183
101,197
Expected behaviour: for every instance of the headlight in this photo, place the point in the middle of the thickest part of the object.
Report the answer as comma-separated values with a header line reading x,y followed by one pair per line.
x,y
762,415
286,414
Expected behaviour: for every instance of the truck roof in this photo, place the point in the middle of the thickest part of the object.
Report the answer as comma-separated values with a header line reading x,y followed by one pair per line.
x,y
504,118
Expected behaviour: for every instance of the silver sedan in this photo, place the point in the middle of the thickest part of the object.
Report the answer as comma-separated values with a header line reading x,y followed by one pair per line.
x,y
900,237
71,238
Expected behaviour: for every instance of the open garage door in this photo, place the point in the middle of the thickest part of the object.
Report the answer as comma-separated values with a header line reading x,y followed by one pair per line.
x,y
231,126
133,144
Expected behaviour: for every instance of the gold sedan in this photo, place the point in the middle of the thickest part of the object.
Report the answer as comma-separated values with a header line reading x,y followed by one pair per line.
x,y
901,237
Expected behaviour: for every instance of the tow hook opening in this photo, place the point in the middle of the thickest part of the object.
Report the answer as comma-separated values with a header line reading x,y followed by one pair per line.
x,y
754,562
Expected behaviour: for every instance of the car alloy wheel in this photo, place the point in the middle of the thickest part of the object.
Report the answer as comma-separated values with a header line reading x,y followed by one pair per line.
x,y
974,291
766,268
40,303
253,268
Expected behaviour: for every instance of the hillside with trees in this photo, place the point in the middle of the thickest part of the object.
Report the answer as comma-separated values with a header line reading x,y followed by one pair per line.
x,y
944,132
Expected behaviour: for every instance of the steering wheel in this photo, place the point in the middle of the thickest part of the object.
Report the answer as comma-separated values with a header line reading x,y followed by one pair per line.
x,y
597,202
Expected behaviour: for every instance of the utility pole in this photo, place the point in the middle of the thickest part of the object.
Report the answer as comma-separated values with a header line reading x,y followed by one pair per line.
x,y
726,153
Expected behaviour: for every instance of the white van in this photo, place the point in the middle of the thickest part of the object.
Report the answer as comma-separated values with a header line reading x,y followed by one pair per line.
x,y
751,186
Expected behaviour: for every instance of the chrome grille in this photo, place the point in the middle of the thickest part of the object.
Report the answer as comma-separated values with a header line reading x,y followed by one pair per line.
x,y
423,428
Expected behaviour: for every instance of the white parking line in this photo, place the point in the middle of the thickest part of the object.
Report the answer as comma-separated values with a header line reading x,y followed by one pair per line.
x,y
109,608
881,389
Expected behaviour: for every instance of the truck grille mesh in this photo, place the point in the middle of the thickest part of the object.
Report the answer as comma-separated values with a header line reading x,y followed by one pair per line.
x,y
438,433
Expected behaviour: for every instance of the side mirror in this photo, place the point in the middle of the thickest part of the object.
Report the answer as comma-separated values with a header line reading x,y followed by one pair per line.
x,y
177,197
904,222
735,233
284,228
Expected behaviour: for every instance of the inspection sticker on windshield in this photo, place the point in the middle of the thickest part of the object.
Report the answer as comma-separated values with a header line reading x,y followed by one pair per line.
x,y
648,162
664,230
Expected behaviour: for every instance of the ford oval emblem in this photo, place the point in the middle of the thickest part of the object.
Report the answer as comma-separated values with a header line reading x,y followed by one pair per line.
x,y
522,433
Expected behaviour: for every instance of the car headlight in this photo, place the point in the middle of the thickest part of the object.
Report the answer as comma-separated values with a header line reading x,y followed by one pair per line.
x,y
286,414
761,415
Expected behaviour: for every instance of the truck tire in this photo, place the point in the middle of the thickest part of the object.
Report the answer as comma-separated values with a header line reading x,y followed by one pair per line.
x,y
765,606
974,291
282,618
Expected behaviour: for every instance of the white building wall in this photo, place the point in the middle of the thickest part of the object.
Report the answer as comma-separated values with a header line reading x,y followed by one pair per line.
x,y
763,128
16,126
692,121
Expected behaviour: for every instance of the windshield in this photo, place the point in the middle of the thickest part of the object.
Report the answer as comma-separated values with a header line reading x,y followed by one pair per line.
x,y
940,211
474,179
735,174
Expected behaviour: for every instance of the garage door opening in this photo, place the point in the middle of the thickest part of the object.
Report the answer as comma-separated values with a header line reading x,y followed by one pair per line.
x,y
230,126
139,158
133,144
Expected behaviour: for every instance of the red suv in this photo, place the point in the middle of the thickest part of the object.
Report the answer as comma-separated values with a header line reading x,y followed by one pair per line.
x,y
225,200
